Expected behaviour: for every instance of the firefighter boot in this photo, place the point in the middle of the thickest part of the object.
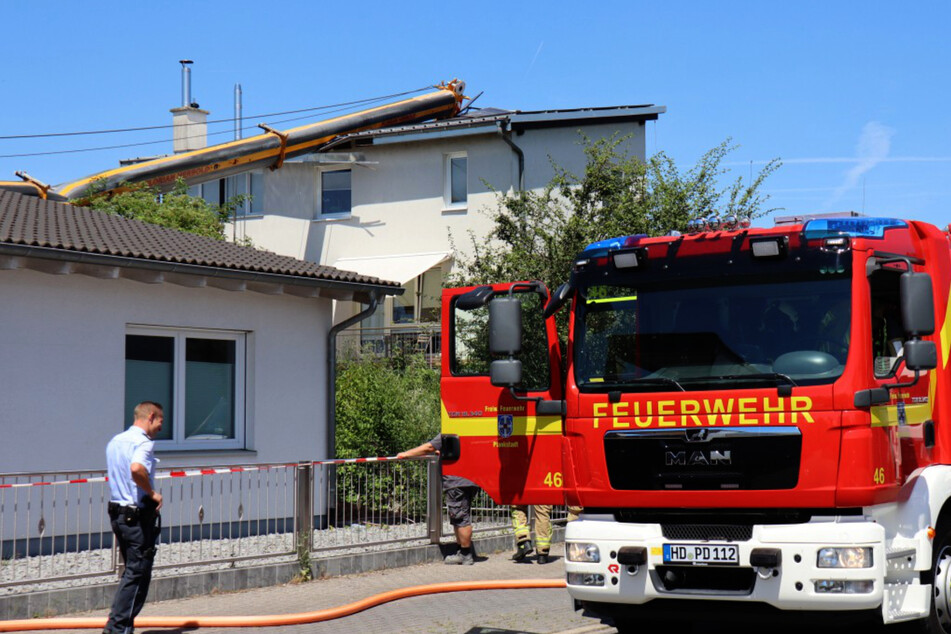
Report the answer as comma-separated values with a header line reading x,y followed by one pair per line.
x,y
542,558
524,549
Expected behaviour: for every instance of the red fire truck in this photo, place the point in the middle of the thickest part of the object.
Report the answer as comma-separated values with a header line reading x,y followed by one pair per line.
x,y
754,419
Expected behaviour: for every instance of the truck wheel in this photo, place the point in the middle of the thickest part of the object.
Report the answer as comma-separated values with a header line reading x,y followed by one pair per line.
x,y
939,620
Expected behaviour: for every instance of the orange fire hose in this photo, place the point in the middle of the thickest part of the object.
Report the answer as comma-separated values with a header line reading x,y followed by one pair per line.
x,y
299,618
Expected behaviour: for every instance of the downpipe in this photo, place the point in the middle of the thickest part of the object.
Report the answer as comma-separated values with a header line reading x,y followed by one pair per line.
x,y
271,620
332,370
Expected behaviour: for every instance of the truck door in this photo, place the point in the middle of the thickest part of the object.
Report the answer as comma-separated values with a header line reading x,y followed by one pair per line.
x,y
510,451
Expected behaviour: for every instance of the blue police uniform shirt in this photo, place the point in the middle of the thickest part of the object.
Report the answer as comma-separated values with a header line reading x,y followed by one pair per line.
x,y
132,445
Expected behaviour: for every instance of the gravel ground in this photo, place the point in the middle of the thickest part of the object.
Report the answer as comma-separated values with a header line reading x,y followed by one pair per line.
x,y
95,566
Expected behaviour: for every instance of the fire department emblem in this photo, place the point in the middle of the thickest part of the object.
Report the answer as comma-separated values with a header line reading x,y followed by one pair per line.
x,y
506,425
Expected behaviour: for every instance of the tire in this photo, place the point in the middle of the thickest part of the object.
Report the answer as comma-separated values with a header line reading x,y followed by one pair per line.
x,y
939,619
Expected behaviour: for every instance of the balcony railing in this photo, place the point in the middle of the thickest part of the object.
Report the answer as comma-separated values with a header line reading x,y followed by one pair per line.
x,y
416,338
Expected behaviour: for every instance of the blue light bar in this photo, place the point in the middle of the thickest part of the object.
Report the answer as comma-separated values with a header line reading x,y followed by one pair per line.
x,y
602,247
853,227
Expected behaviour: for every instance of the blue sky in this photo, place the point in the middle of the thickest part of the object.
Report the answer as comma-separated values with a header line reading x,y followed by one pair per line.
x,y
852,96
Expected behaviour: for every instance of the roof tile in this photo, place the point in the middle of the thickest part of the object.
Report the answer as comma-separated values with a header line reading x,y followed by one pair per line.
x,y
33,221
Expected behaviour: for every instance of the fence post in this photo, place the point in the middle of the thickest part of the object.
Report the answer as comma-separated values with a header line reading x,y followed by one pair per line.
x,y
434,501
304,505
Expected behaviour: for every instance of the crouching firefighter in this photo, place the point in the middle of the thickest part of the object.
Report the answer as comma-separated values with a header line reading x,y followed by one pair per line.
x,y
134,512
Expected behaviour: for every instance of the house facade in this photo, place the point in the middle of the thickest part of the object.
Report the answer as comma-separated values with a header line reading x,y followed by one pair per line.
x,y
102,312
404,203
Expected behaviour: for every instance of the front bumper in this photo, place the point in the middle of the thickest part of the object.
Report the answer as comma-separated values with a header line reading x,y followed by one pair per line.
x,y
790,586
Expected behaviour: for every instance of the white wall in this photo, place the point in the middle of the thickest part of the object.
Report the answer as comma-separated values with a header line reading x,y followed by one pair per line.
x,y
62,342
398,199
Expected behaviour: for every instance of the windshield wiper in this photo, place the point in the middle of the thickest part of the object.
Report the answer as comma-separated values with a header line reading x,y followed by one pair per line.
x,y
760,376
658,379
630,379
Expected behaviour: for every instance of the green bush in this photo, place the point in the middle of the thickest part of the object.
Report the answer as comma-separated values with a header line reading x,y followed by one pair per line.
x,y
385,406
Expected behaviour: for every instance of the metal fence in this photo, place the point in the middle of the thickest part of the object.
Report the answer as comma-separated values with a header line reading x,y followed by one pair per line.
x,y
54,525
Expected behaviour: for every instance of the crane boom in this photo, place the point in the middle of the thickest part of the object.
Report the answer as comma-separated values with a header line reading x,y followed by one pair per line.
x,y
269,149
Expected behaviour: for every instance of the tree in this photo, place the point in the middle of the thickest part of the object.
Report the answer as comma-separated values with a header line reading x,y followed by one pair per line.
x,y
174,209
537,235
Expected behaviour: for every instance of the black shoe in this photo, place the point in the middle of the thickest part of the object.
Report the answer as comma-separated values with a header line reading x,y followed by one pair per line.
x,y
542,558
524,549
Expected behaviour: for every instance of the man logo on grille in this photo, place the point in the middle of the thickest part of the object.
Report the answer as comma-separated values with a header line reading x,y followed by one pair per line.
x,y
506,425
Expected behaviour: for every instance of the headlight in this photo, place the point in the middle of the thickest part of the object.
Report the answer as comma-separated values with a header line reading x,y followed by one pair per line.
x,y
847,586
583,552
849,557
585,579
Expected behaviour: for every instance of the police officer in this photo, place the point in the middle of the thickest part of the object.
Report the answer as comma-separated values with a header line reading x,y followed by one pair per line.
x,y
134,511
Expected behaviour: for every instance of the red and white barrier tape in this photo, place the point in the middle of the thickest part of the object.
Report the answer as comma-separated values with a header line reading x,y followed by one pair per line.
x,y
183,473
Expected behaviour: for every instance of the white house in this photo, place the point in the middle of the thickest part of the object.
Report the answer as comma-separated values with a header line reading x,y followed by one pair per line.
x,y
385,202
101,312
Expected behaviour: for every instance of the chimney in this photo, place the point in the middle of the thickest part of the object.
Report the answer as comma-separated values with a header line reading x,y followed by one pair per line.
x,y
189,122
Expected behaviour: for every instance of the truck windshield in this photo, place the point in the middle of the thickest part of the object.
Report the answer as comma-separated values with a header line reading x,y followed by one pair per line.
x,y
644,332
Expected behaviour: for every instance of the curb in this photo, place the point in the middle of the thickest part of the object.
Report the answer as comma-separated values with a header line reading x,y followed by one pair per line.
x,y
51,603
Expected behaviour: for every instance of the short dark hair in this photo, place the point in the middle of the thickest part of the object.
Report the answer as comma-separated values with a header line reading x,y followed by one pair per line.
x,y
147,408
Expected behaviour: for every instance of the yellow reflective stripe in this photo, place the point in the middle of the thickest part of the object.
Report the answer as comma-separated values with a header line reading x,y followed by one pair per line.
x,y
489,425
606,300
945,334
887,415
486,426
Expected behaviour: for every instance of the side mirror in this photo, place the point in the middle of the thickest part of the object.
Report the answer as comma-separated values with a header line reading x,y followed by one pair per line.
x,y
920,355
558,299
505,326
505,372
917,304
476,298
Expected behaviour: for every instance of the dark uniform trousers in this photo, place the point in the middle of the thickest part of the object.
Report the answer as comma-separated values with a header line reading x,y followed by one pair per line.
x,y
136,530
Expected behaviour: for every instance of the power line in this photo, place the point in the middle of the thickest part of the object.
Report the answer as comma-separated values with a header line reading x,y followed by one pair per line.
x,y
256,116
348,106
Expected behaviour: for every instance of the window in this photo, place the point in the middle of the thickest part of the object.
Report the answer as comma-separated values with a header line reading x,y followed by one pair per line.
x,y
256,189
457,185
404,306
198,377
212,191
250,185
470,342
335,193
430,295
888,331
421,301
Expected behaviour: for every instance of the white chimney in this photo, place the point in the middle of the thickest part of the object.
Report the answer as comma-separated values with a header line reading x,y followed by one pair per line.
x,y
189,122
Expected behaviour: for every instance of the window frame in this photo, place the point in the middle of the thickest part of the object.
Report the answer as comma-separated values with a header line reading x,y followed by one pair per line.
x,y
319,211
178,441
447,182
250,207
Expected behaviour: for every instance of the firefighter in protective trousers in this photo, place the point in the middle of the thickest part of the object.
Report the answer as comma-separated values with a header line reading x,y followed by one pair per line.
x,y
523,536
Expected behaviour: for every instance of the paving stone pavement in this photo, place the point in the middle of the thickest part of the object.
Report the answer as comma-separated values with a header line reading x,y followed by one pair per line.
x,y
483,612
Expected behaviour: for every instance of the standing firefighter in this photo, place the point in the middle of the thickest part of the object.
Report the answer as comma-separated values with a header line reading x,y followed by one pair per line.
x,y
523,537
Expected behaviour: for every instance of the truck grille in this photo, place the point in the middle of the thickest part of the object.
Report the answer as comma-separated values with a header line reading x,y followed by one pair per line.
x,y
704,459
708,532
